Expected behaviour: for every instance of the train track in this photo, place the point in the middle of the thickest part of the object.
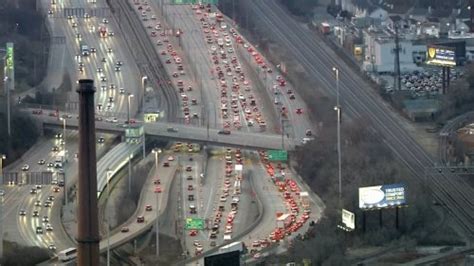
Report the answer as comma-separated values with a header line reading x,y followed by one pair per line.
x,y
151,66
318,60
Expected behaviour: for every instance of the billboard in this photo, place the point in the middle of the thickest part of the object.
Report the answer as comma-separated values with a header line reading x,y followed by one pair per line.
x,y
441,56
194,224
229,259
348,219
383,196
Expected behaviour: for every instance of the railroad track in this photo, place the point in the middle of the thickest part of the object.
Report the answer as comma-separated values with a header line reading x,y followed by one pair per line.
x,y
152,66
359,101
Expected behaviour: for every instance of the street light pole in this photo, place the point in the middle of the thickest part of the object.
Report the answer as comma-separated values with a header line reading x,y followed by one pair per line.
x,y
128,107
64,157
2,157
130,156
108,215
157,152
337,108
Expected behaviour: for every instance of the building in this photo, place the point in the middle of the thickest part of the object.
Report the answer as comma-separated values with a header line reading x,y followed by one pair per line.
x,y
380,55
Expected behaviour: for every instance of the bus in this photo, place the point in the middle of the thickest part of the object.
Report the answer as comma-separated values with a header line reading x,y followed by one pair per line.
x,y
67,254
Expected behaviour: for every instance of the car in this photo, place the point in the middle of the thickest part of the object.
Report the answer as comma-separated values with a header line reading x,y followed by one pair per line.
x,y
39,230
56,189
22,212
49,227
111,33
140,219
166,164
191,197
299,111
308,133
117,69
41,162
223,132
148,208
189,178
172,129
170,158
124,229
119,63
105,21
189,168
193,233
45,219
25,167
47,203
35,213
109,50
157,181
100,140
158,189
51,198
292,97
38,203
190,188
33,191
52,247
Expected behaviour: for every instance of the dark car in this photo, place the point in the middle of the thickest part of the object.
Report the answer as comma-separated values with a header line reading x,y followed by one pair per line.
x,y
224,132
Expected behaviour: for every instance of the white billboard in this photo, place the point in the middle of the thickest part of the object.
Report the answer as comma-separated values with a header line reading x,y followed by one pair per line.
x,y
382,196
348,219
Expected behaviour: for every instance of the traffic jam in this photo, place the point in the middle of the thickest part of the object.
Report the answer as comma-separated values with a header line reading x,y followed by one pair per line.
x,y
173,62
238,104
296,201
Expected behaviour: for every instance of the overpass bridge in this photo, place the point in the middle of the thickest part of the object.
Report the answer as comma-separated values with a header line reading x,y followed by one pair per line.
x,y
187,133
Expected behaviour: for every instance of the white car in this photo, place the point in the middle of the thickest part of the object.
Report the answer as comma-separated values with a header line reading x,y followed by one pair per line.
x,y
25,167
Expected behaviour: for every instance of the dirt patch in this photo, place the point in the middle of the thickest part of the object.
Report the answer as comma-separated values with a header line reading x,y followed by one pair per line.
x,y
170,251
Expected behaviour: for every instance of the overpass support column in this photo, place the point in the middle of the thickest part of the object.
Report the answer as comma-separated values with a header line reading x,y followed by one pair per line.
x,y
88,222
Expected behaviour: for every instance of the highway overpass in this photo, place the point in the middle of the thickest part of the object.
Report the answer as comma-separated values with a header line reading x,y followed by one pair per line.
x,y
187,133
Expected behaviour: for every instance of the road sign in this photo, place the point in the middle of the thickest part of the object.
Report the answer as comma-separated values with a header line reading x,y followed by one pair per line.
x,y
277,155
194,224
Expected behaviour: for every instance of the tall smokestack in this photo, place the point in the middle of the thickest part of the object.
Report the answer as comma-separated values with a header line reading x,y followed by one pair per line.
x,y
88,222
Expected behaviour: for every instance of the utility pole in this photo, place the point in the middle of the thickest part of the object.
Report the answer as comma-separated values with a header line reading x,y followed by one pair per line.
x,y
397,81
337,108
2,157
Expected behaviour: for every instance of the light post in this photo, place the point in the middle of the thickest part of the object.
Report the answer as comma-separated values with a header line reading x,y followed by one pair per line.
x,y
130,157
64,158
109,175
337,108
64,134
143,82
129,95
157,152
2,157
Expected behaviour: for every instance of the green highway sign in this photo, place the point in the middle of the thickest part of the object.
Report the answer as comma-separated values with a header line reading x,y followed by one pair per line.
x,y
277,155
194,224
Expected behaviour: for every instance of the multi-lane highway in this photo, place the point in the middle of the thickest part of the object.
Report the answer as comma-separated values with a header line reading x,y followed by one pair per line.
x,y
360,101
213,59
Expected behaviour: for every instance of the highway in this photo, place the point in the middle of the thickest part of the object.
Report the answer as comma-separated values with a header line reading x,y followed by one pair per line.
x,y
359,100
61,53
147,197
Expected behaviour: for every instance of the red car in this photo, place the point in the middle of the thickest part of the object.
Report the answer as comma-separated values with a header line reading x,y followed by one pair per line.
x,y
299,111
158,189
193,233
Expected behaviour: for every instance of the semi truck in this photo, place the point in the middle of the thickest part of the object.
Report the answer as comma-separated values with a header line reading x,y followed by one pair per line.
x,y
84,49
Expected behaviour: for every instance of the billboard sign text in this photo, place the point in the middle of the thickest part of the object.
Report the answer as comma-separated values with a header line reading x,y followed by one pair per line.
x,y
441,56
384,196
